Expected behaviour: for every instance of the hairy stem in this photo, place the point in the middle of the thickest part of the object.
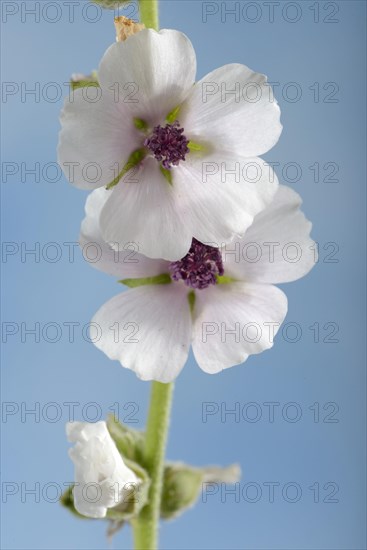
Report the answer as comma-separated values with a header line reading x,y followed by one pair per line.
x,y
149,13
146,525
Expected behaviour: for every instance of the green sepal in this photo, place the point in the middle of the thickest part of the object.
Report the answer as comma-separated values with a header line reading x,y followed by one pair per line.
x,y
191,298
114,527
224,280
67,500
129,442
134,159
167,174
84,81
163,279
172,116
181,489
134,500
198,147
140,124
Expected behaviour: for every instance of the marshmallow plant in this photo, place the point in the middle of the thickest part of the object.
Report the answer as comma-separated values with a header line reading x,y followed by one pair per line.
x,y
177,176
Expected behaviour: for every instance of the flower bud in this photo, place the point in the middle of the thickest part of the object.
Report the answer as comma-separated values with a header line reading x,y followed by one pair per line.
x,y
182,485
181,488
102,479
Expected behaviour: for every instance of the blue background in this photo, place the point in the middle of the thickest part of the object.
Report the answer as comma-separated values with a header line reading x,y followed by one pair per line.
x,y
304,372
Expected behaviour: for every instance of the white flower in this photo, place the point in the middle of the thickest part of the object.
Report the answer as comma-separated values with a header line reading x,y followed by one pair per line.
x,y
219,300
102,480
180,141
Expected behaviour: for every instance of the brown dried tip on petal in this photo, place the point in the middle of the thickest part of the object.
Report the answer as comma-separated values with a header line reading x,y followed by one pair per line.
x,y
126,27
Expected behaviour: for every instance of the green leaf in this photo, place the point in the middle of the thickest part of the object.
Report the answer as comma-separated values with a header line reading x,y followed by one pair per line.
x,y
134,159
163,279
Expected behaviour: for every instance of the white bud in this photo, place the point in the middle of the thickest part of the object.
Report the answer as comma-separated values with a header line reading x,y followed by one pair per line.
x,y
102,480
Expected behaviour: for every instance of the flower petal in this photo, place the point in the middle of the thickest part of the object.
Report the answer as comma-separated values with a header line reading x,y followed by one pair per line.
x,y
152,72
223,194
96,139
277,248
127,263
154,330
245,121
144,209
232,322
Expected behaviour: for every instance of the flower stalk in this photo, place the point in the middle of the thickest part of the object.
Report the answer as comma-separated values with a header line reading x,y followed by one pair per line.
x,y
149,13
145,527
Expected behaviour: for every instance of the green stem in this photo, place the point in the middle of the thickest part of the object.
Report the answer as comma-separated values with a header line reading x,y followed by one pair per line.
x,y
146,525
149,13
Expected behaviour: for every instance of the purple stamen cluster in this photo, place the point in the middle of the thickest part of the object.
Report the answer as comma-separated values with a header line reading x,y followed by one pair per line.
x,y
200,267
168,144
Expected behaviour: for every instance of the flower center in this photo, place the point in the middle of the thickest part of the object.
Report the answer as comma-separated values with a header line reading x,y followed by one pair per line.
x,y
200,267
168,144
